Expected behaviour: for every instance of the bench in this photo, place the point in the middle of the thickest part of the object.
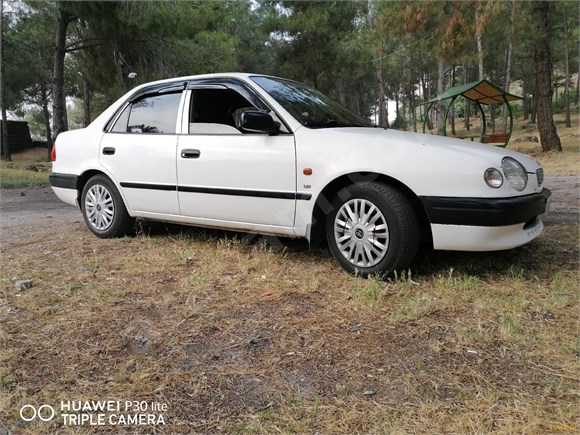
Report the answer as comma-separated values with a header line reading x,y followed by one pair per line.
x,y
491,138
499,138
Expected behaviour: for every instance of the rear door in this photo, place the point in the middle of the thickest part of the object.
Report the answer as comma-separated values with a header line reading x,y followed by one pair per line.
x,y
139,151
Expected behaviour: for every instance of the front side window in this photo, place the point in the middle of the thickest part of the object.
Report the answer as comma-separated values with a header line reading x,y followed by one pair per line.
x,y
216,111
150,114
311,108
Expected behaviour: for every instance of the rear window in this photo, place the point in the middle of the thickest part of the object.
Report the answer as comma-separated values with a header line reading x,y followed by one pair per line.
x,y
153,114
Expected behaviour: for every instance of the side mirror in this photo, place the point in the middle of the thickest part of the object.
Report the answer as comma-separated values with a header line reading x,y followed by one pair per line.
x,y
255,121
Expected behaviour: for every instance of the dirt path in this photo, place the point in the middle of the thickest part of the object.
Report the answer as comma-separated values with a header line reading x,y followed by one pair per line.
x,y
565,200
38,209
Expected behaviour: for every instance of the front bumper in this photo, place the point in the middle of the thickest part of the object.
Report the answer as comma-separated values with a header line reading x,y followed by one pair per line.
x,y
483,239
486,212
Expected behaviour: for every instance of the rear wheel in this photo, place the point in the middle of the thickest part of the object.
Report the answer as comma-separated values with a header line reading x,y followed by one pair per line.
x,y
103,208
372,229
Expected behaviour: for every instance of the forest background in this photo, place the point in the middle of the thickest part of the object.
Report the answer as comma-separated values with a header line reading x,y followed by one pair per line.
x,y
65,62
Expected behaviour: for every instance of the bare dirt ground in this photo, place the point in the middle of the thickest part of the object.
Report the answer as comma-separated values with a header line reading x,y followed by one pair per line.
x,y
33,209
236,338
565,200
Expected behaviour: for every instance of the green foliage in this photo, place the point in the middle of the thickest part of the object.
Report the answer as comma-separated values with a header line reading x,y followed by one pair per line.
x,y
28,67
340,47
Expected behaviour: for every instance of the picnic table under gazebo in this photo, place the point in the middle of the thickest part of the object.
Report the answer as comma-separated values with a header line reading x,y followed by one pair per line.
x,y
482,93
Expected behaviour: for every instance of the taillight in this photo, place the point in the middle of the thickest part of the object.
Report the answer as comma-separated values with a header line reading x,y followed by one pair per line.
x,y
53,153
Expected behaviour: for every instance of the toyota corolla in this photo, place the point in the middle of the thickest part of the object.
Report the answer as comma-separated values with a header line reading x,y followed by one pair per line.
x,y
262,154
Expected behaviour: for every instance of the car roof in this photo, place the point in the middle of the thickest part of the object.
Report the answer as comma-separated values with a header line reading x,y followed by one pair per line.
x,y
202,76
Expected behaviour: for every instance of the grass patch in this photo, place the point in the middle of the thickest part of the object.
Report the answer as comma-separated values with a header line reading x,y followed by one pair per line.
x,y
240,337
566,162
28,168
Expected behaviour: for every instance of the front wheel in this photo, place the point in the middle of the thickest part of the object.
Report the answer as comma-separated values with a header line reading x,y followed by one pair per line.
x,y
372,229
103,209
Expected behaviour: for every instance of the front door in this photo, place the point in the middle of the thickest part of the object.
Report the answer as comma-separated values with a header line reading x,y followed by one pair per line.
x,y
225,175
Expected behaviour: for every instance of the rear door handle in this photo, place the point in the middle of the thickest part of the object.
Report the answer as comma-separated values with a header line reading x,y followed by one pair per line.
x,y
108,151
190,154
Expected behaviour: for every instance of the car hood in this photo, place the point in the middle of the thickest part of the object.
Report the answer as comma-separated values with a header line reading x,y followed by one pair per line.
x,y
428,165
431,144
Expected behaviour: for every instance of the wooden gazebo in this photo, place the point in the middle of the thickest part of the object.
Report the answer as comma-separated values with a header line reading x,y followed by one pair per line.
x,y
482,93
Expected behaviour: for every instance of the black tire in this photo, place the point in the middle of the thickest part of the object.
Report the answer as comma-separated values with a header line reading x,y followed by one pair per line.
x,y
103,209
387,241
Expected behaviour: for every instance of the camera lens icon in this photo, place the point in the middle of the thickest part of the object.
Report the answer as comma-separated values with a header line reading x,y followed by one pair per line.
x,y
43,413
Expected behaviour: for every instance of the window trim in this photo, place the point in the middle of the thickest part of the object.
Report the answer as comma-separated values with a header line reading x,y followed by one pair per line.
x,y
159,89
174,90
186,84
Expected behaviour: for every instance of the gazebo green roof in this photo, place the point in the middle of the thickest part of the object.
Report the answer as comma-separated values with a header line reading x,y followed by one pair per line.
x,y
481,91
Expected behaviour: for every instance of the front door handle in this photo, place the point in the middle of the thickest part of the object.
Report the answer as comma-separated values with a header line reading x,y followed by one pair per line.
x,y
108,151
190,154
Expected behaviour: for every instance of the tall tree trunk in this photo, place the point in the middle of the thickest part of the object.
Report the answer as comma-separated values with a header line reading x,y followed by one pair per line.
x,y
508,64
466,103
426,97
577,87
59,119
440,89
5,145
478,38
543,67
340,87
386,104
526,89
86,101
381,97
413,109
46,118
567,74
397,111
452,109
383,113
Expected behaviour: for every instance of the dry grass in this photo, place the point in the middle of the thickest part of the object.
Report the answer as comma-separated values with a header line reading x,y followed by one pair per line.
x,y
27,169
567,162
463,343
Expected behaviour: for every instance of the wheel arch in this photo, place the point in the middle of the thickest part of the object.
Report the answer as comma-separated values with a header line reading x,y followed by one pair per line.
x,y
323,203
86,176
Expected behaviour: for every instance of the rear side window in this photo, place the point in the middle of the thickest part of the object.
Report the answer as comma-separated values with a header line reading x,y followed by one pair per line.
x,y
122,121
153,114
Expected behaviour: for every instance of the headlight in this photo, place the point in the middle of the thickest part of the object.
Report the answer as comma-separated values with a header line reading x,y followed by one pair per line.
x,y
493,178
515,173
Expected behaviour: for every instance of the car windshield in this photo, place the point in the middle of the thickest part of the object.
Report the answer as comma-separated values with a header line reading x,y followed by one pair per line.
x,y
310,107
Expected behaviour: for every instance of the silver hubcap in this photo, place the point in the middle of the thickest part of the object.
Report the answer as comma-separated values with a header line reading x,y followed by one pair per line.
x,y
361,233
99,207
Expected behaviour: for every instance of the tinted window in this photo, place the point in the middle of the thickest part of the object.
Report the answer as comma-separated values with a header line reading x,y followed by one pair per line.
x,y
216,106
154,114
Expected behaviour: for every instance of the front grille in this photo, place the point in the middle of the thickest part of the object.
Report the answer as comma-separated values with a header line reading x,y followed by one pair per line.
x,y
540,176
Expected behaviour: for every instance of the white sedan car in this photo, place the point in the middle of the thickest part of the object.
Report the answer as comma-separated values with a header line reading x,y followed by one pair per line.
x,y
262,154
